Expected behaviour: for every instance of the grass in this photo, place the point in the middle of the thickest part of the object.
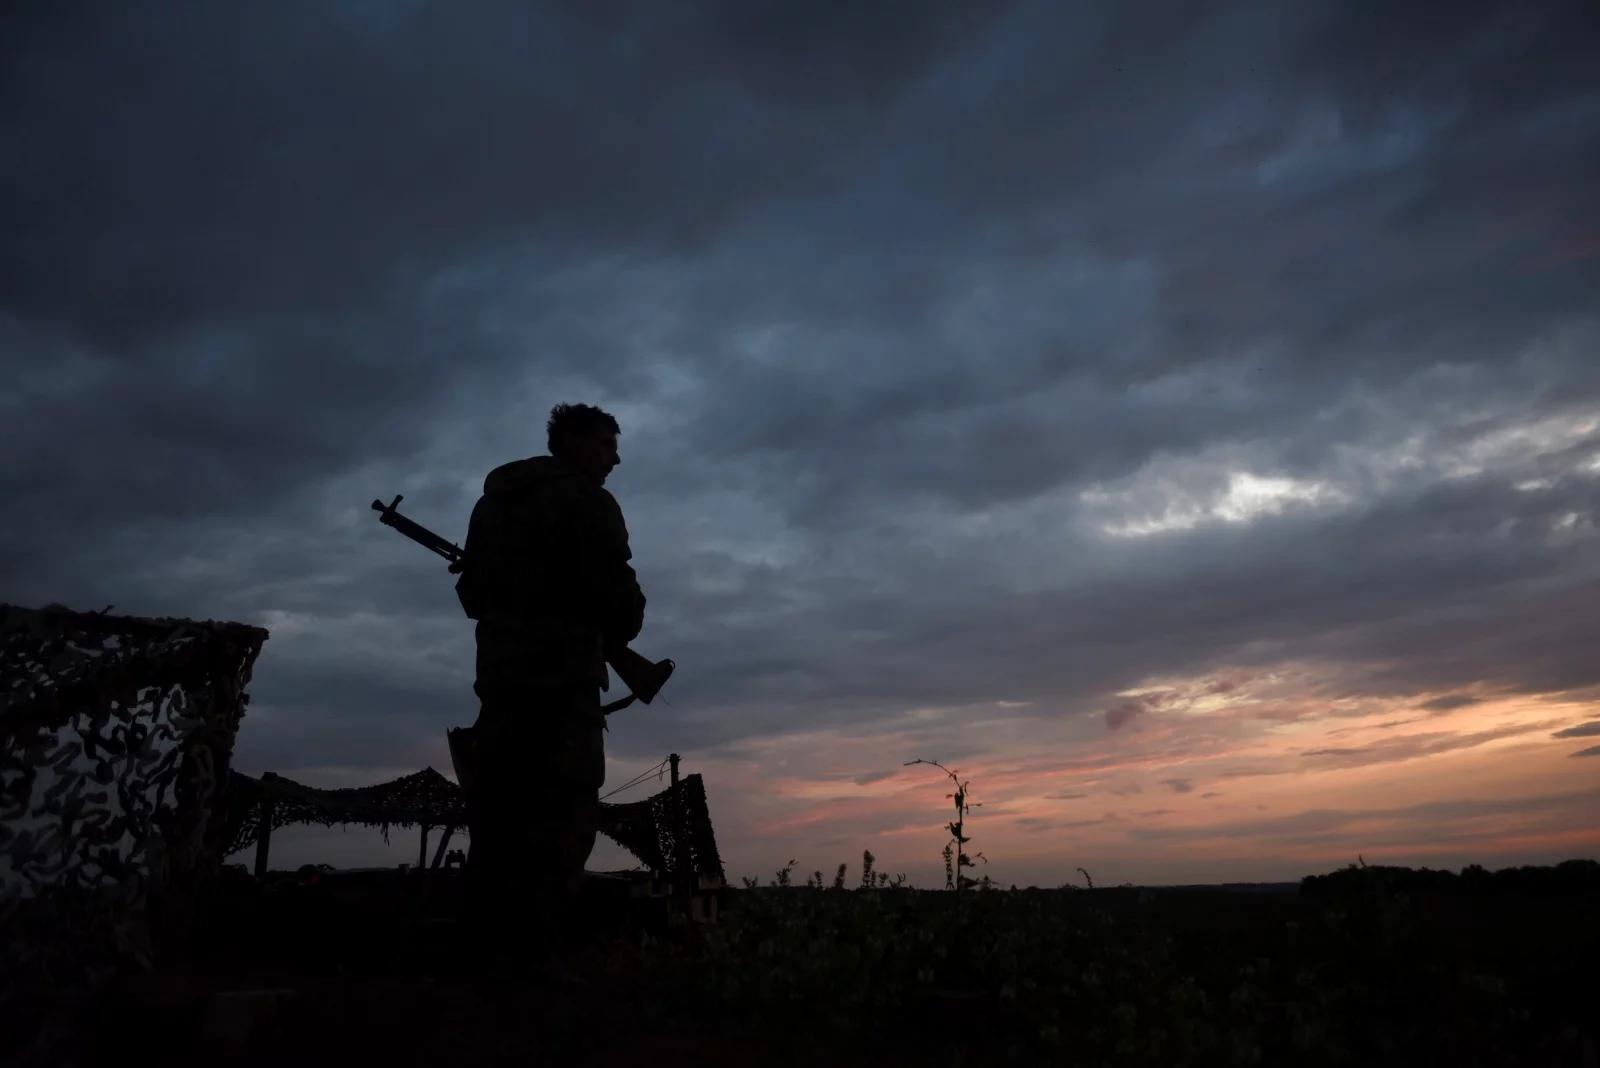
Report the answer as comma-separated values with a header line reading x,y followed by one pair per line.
x,y
1363,968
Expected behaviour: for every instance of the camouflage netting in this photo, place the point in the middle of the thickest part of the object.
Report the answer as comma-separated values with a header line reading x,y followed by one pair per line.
x,y
423,798
115,737
670,832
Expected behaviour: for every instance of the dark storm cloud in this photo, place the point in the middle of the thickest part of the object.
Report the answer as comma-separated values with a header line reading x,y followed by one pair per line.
x,y
1583,730
180,166
884,300
1593,750
227,222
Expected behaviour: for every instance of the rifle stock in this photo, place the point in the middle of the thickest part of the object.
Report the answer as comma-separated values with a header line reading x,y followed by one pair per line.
x,y
643,677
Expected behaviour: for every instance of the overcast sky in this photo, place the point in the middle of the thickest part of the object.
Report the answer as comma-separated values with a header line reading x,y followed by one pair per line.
x,y
1184,418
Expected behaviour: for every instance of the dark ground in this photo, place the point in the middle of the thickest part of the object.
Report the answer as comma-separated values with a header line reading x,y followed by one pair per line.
x,y
1366,968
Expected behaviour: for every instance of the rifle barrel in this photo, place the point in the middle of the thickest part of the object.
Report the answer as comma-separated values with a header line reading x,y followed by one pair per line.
x,y
389,515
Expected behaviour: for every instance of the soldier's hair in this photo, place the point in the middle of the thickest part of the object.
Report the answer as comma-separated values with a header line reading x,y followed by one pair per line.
x,y
568,421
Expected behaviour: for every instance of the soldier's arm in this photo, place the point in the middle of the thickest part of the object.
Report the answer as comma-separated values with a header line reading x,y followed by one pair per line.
x,y
470,586
618,597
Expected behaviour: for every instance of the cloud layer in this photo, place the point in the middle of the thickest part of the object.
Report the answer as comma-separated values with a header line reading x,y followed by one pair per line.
x,y
1025,386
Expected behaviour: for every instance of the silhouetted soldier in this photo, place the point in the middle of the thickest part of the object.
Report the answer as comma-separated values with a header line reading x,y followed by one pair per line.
x,y
549,582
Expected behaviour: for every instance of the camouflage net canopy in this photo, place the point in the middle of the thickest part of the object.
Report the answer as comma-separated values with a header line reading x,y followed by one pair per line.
x,y
424,798
115,738
669,832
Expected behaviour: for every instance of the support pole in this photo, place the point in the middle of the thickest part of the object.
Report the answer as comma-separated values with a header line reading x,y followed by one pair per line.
x,y
444,840
680,852
422,857
264,838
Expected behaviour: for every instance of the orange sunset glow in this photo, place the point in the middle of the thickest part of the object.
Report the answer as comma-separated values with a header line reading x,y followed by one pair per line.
x,y
1222,787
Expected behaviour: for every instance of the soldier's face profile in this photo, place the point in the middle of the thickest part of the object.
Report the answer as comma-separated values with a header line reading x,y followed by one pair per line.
x,y
594,454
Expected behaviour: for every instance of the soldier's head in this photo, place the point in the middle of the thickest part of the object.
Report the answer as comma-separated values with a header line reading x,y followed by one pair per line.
x,y
584,437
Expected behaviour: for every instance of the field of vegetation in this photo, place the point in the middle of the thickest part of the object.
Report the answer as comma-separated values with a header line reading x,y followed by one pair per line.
x,y
1364,966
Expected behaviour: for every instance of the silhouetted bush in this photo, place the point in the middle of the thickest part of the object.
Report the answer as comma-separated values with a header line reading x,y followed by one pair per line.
x,y
1574,877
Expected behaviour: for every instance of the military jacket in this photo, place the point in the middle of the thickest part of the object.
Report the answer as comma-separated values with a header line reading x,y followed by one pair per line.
x,y
547,576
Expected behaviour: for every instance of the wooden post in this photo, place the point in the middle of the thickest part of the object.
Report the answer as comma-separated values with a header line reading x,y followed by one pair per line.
x,y
422,857
680,854
444,840
264,838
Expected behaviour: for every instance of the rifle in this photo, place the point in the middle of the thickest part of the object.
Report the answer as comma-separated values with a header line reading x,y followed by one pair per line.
x,y
389,516
643,678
